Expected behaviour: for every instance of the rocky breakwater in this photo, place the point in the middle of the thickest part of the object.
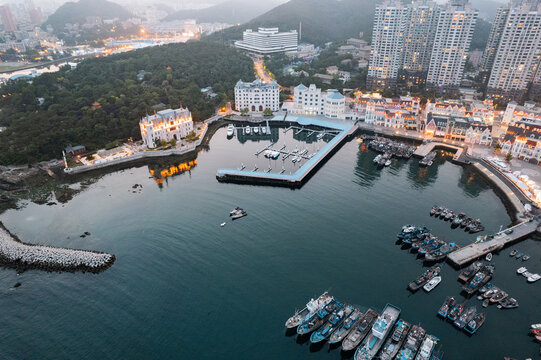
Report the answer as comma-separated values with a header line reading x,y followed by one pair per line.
x,y
16,254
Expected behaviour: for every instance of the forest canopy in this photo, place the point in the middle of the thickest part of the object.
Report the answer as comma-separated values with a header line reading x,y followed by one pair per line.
x,y
102,100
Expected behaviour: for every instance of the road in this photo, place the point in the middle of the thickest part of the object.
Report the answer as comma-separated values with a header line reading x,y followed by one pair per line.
x,y
262,74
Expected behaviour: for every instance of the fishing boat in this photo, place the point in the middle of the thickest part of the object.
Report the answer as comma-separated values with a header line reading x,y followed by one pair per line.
x,y
429,286
521,270
508,303
513,252
499,296
412,343
359,332
239,215
486,287
438,211
444,213
441,253
470,271
525,257
310,309
475,323
456,311
450,215
424,278
427,347
488,257
465,317
230,130
433,210
490,293
459,218
395,341
534,278
486,302
535,326
333,323
347,326
465,222
381,328
446,307
315,321
482,277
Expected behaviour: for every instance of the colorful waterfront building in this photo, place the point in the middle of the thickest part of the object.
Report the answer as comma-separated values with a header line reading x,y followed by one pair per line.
x,y
523,140
166,125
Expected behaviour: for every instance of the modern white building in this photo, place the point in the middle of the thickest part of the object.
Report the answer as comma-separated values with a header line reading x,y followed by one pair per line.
x,y
166,125
335,104
517,55
456,23
257,96
390,19
268,41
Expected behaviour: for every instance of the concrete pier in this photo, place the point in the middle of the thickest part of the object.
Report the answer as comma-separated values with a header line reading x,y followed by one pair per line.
x,y
472,252
428,147
344,131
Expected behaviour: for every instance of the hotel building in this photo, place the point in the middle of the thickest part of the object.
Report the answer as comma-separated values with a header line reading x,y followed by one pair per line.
x,y
166,125
257,96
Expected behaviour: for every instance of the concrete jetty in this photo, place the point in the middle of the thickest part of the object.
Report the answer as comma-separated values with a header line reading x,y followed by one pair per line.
x,y
472,252
428,147
344,131
18,255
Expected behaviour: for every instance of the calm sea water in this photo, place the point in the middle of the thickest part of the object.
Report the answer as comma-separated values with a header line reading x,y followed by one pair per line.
x,y
183,287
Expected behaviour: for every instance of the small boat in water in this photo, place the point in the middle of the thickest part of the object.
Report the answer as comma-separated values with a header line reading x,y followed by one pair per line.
x,y
230,130
433,210
450,215
456,311
534,278
395,341
513,252
467,274
486,303
427,347
486,287
458,219
521,270
475,323
359,332
347,326
388,163
447,306
429,286
518,255
222,224
310,309
488,257
413,341
256,130
332,324
247,130
508,303
525,257
499,296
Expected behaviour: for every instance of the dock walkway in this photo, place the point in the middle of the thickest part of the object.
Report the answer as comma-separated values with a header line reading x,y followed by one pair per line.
x,y
426,148
471,252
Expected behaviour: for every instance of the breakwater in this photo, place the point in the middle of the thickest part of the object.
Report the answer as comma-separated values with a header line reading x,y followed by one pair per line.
x,y
18,255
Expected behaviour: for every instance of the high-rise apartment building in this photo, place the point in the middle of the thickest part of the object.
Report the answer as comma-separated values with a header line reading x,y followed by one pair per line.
x,y
419,34
7,19
500,21
517,57
390,19
456,23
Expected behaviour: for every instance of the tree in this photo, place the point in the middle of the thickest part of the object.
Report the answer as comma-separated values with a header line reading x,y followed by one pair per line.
x,y
173,142
508,157
267,112
244,112
497,146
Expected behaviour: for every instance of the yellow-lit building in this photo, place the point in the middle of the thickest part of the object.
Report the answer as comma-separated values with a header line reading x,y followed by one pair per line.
x,y
166,125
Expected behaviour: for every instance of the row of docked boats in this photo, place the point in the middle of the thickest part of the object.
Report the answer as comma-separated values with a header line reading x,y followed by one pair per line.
x,y
528,275
463,316
370,334
428,160
388,146
427,246
476,277
535,330
383,159
518,255
491,294
256,130
457,219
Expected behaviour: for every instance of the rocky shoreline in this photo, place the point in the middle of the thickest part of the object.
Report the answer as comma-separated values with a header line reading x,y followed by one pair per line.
x,y
21,256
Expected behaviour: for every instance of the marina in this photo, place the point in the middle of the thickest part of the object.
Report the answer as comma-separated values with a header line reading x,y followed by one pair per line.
x,y
340,133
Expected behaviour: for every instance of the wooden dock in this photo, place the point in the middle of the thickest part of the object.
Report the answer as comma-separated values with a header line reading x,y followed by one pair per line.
x,y
472,252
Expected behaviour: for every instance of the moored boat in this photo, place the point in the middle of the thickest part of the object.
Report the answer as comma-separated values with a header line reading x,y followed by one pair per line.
x,y
467,274
458,219
465,317
429,286
475,323
508,303
521,270
230,130
513,252
311,307
433,210
534,278
347,326
486,287
424,278
427,347
412,343
333,323
381,328
315,321
359,332
395,341
247,130
499,296
441,253
447,306
456,312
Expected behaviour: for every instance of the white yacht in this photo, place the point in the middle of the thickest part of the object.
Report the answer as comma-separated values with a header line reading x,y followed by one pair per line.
x,y
256,130
534,278
429,286
521,270
230,130
248,130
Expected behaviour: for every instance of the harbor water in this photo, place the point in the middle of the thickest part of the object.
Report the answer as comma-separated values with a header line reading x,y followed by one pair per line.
x,y
182,287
